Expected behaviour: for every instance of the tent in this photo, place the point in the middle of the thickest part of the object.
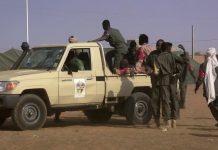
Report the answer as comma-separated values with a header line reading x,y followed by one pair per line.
x,y
8,58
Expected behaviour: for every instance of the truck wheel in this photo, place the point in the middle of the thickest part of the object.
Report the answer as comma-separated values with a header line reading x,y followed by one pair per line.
x,y
138,108
98,115
30,112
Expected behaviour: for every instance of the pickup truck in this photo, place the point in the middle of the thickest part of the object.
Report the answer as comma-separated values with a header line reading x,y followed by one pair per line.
x,y
43,83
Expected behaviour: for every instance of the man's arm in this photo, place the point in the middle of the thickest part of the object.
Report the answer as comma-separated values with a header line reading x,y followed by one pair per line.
x,y
191,70
178,59
200,79
103,37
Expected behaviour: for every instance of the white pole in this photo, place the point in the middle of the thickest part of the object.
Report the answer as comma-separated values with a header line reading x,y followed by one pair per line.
x,y
27,20
193,40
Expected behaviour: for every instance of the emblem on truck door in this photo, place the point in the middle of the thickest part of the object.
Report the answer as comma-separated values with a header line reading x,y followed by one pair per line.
x,y
80,88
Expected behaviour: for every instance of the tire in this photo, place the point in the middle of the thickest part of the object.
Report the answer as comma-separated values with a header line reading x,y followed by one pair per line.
x,y
138,108
2,120
4,114
98,115
29,113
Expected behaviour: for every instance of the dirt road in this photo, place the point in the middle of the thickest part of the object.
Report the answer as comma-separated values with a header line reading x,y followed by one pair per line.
x,y
195,131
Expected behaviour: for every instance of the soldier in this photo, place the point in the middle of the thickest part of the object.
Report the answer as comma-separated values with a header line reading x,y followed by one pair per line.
x,y
167,65
132,55
185,68
116,40
154,81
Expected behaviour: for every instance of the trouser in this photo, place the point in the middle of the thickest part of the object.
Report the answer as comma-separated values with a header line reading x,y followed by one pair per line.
x,y
183,91
117,55
170,104
57,115
165,100
174,99
156,101
214,108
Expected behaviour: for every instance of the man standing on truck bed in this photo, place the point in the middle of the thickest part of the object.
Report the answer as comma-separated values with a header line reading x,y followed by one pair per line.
x,y
116,40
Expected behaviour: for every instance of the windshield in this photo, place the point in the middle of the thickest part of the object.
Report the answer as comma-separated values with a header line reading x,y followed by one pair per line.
x,y
42,58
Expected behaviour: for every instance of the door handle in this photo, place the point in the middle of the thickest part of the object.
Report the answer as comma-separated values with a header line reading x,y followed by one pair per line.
x,y
89,78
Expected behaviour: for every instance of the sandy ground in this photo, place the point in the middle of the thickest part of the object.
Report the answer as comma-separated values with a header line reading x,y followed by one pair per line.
x,y
195,131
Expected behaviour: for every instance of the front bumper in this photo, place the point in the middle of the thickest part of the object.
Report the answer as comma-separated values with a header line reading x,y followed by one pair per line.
x,y
8,101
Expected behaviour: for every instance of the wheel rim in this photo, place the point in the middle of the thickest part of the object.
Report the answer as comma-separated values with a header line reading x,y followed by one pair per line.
x,y
141,109
30,113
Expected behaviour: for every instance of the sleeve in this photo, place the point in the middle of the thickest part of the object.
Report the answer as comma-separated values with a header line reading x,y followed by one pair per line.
x,y
178,59
200,77
148,62
103,37
141,55
190,68
124,71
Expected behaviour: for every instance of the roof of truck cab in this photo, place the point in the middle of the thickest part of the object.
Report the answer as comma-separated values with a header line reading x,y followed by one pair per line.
x,y
82,44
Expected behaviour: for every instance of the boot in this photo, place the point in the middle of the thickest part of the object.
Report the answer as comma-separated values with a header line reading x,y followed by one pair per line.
x,y
173,123
168,123
157,122
166,126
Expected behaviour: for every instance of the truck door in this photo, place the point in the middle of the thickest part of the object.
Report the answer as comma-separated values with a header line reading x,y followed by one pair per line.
x,y
77,79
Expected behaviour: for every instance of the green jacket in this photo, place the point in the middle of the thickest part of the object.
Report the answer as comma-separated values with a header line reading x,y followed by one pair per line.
x,y
117,41
150,63
76,64
167,63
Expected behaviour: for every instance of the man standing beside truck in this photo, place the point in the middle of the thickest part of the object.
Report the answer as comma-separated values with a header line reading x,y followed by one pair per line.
x,y
156,104
116,40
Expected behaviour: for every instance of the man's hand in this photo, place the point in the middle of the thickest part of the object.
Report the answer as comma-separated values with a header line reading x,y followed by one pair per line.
x,y
181,46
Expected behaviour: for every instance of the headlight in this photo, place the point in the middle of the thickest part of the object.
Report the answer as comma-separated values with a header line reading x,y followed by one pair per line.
x,y
8,85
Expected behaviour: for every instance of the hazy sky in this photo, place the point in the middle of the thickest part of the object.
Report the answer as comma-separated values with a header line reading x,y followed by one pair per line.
x,y
52,21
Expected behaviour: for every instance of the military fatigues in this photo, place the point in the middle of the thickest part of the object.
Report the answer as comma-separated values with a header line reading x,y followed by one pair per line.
x,y
117,41
155,85
167,63
183,81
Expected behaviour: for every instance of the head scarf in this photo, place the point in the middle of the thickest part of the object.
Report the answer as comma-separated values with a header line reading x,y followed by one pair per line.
x,y
210,74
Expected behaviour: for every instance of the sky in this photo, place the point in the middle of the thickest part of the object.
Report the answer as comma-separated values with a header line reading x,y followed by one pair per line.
x,y
53,21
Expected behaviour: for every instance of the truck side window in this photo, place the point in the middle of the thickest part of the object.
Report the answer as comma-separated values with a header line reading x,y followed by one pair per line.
x,y
78,59
84,55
